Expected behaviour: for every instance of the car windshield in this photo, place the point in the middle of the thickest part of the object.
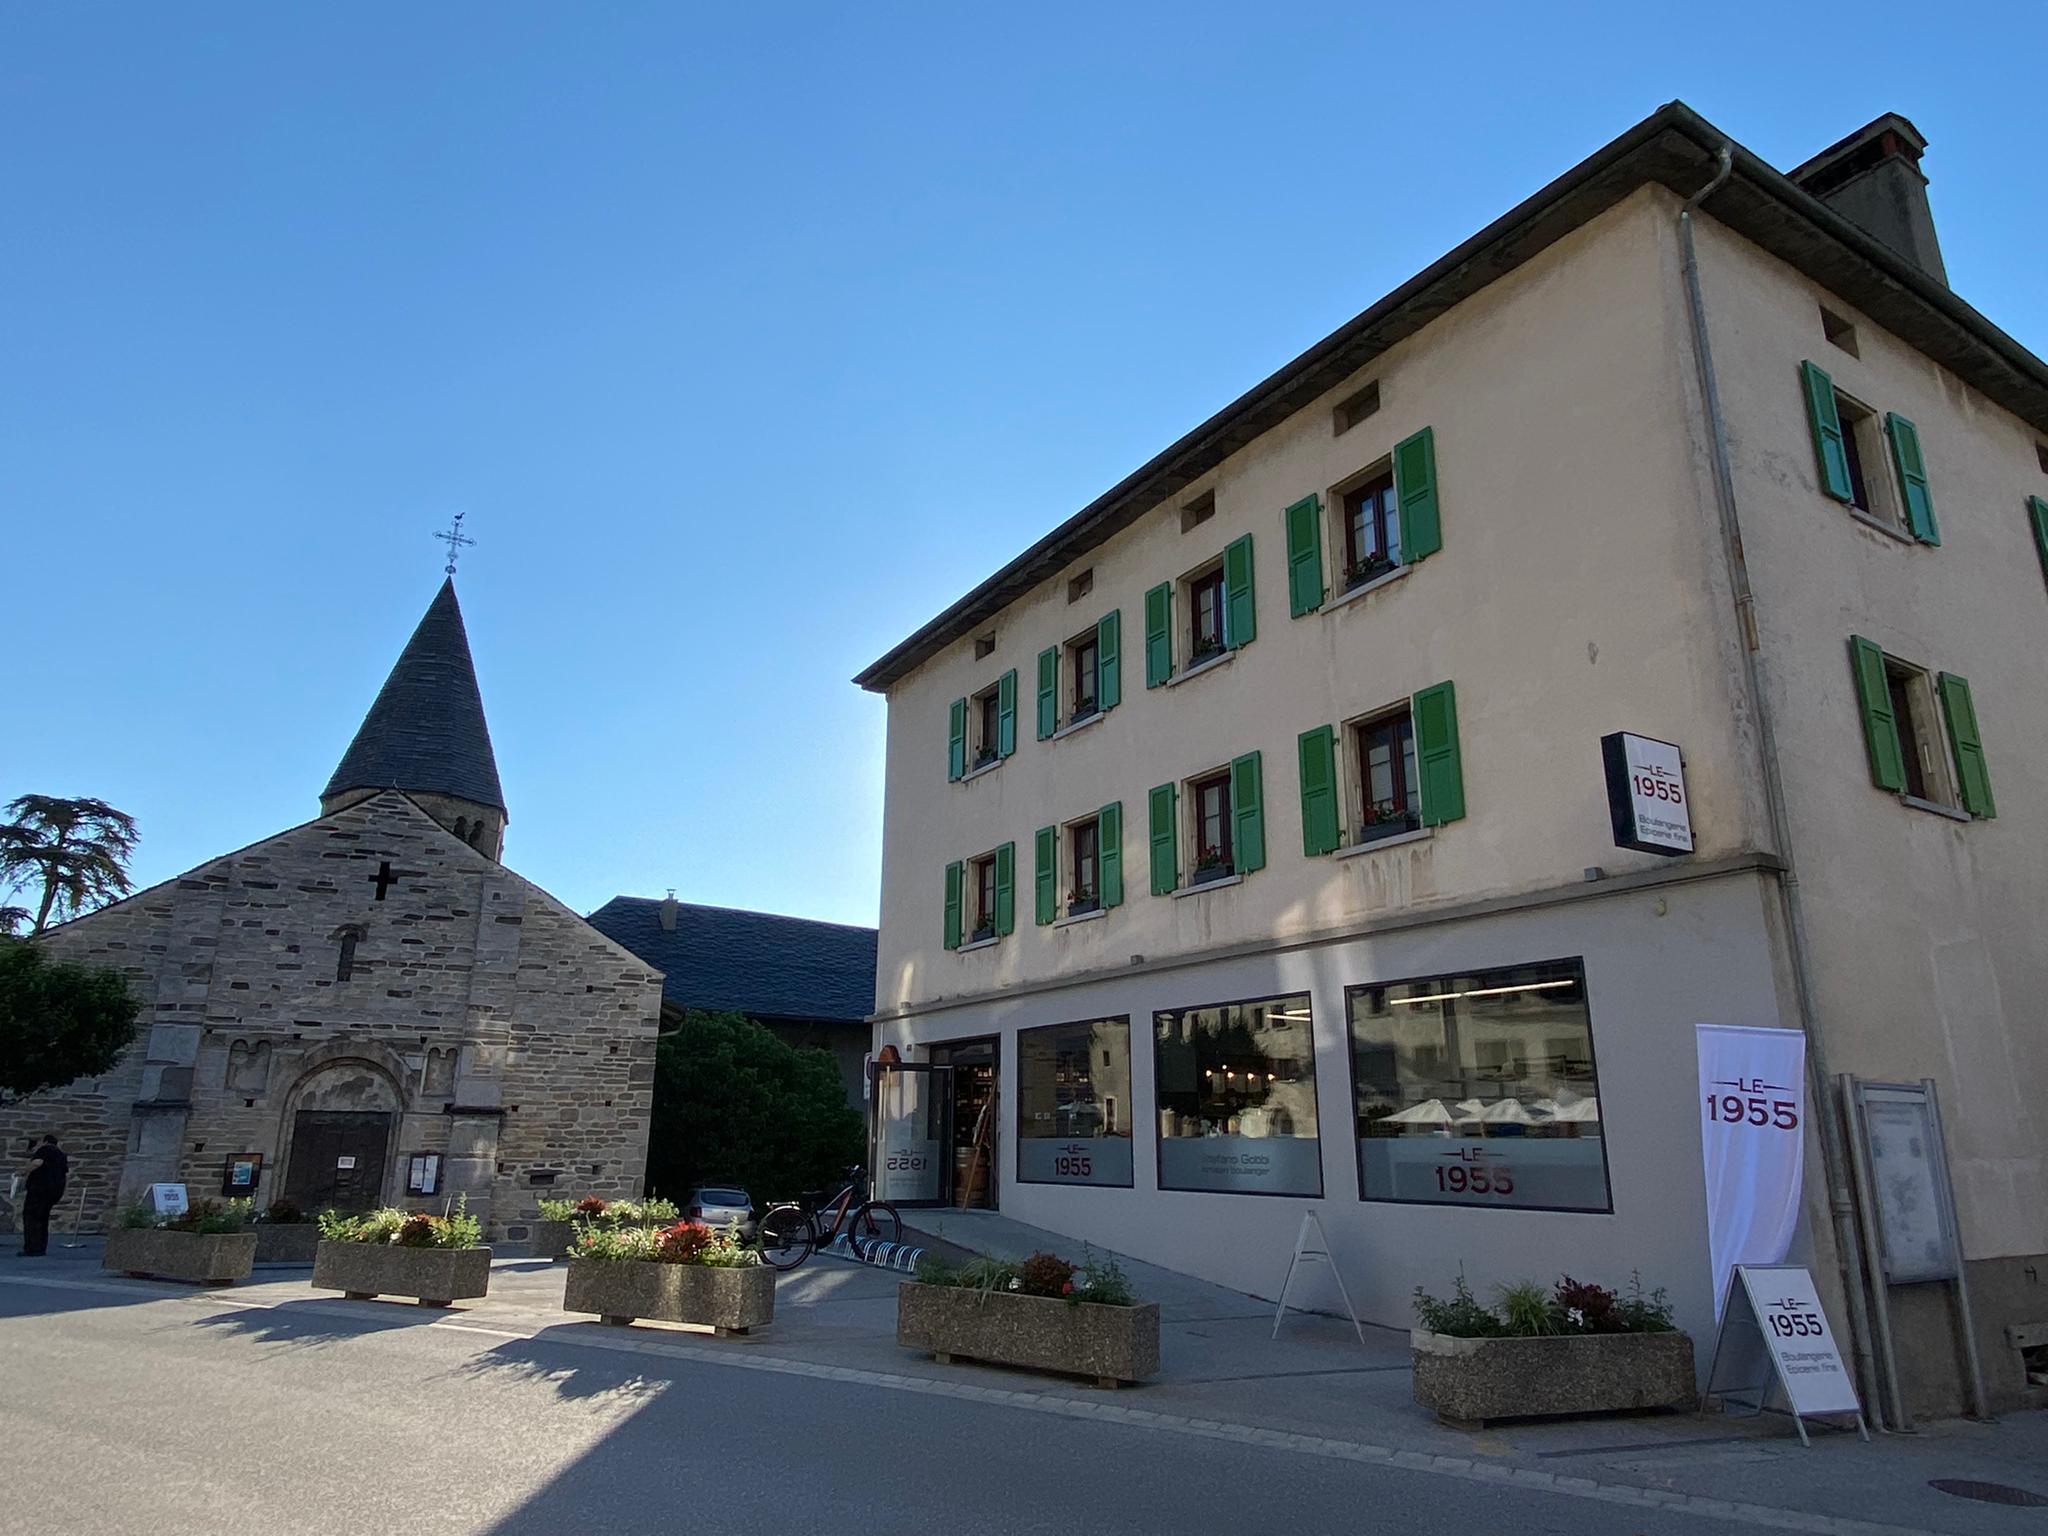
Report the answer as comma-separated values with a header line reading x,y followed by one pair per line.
x,y
722,1197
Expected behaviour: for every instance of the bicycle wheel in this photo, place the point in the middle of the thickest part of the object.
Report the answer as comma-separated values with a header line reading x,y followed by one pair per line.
x,y
786,1237
878,1220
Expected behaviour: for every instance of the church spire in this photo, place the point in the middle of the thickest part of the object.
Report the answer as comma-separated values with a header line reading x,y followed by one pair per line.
x,y
426,735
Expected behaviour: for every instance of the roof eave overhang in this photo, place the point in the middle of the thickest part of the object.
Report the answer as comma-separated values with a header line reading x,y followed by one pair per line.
x,y
1675,148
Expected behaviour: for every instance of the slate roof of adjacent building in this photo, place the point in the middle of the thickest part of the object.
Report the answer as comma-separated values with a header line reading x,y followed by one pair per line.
x,y
756,963
426,733
1673,146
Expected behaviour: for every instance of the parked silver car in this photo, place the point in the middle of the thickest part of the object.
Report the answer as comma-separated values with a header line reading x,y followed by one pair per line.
x,y
720,1205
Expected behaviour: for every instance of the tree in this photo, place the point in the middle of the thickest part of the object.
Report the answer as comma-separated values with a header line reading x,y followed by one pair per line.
x,y
735,1104
58,1021
77,849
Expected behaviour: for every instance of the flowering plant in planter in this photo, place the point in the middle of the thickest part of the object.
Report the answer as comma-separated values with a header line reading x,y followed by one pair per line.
x,y
1097,1278
207,1216
284,1213
594,1210
1527,1310
405,1229
686,1242
1043,1312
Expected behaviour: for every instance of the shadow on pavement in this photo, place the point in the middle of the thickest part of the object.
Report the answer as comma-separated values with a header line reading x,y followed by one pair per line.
x,y
572,1373
73,1288
310,1324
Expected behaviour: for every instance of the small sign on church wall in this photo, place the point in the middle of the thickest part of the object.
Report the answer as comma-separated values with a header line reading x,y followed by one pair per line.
x,y
423,1173
240,1173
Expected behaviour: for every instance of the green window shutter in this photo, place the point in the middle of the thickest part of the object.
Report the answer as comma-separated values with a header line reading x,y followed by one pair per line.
x,y
1047,870
1439,767
1880,725
1422,529
1319,817
1109,852
1048,691
1109,661
1912,468
1247,813
1973,781
956,742
1006,894
2037,513
1165,841
1305,556
1159,634
1240,615
956,875
1006,714
1826,422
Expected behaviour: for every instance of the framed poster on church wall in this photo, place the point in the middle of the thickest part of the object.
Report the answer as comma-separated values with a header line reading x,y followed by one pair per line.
x,y
240,1172
423,1173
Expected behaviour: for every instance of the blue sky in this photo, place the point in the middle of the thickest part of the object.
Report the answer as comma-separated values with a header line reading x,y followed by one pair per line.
x,y
746,337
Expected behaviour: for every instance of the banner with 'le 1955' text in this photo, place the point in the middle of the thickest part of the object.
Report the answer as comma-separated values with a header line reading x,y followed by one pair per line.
x,y
1753,1140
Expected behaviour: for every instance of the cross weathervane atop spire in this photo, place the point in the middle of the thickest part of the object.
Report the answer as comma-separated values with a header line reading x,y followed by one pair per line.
x,y
456,540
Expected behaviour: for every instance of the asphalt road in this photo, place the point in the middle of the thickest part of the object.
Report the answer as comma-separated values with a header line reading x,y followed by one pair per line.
x,y
159,1414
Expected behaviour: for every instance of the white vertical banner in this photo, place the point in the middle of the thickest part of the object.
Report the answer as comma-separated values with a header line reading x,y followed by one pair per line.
x,y
1753,1142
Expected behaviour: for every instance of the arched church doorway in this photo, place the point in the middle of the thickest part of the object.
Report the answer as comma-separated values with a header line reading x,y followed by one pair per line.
x,y
344,1113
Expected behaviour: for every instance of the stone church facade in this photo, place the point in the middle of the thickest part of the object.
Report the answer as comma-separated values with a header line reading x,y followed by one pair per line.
x,y
369,1002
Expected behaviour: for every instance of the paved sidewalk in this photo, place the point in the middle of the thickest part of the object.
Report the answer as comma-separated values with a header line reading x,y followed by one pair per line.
x,y
1315,1390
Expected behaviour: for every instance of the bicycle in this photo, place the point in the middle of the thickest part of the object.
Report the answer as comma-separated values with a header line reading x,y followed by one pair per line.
x,y
789,1232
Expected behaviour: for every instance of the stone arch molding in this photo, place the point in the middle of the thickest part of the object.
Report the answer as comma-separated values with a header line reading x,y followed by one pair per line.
x,y
347,1075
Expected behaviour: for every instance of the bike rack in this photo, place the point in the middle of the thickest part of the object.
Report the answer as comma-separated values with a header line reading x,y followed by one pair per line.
x,y
902,1257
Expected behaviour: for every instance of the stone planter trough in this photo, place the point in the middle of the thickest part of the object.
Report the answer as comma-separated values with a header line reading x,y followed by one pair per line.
x,y
551,1239
619,1291
1471,1382
1114,1346
207,1258
432,1276
286,1242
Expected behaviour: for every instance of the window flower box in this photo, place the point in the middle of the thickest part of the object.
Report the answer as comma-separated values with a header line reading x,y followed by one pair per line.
x,y
982,934
434,1277
1389,824
1082,901
1358,572
1470,1383
1209,867
1205,649
202,1258
1112,1345
727,1300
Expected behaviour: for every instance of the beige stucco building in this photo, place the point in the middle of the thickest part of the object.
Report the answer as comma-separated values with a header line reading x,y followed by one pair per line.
x,y
1282,763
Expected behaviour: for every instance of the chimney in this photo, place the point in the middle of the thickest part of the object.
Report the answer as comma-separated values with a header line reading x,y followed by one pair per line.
x,y
669,908
1872,178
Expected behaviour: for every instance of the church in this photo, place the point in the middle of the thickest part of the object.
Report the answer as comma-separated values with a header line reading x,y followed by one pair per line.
x,y
367,1009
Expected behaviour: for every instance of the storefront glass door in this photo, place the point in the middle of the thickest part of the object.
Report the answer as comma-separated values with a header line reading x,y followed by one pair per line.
x,y
911,1129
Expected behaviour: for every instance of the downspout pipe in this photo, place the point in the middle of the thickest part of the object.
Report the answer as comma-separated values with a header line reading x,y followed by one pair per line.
x,y
1833,1142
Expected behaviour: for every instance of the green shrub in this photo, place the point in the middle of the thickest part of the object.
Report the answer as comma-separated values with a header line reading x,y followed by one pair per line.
x,y
407,1229
558,1210
1640,1313
686,1242
1462,1317
1098,1279
1102,1281
137,1217
1528,1310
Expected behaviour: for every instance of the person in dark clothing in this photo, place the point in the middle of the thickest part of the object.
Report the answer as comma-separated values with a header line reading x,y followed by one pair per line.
x,y
47,1169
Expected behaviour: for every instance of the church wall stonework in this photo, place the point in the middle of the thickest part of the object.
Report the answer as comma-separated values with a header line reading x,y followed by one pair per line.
x,y
515,1040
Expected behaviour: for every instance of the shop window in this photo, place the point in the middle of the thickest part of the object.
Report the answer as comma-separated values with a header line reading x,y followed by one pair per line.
x,y
1236,1086
1072,1083
1479,1089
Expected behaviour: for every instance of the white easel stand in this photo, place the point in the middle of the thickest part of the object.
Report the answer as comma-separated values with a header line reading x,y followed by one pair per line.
x,y
1315,1250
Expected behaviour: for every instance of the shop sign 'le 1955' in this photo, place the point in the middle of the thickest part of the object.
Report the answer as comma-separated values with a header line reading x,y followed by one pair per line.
x,y
1646,793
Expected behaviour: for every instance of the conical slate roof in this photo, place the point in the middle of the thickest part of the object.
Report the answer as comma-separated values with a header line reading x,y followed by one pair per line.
x,y
426,731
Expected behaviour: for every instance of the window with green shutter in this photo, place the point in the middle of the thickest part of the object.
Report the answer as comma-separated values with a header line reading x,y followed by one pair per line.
x,y
1304,523
1006,879
1439,767
1048,691
1912,467
1165,840
1247,814
1973,783
1880,719
1109,666
1829,448
1415,488
956,875
1109,851
956,744
1159,634
1006,714
2037,514
1321,816
1046,873
1240,612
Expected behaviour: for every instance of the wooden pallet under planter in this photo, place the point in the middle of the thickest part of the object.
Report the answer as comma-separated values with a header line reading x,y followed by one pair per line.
x,y
434,1277
622,1290
1113,1346
206,1258
1472,1382
286,1242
